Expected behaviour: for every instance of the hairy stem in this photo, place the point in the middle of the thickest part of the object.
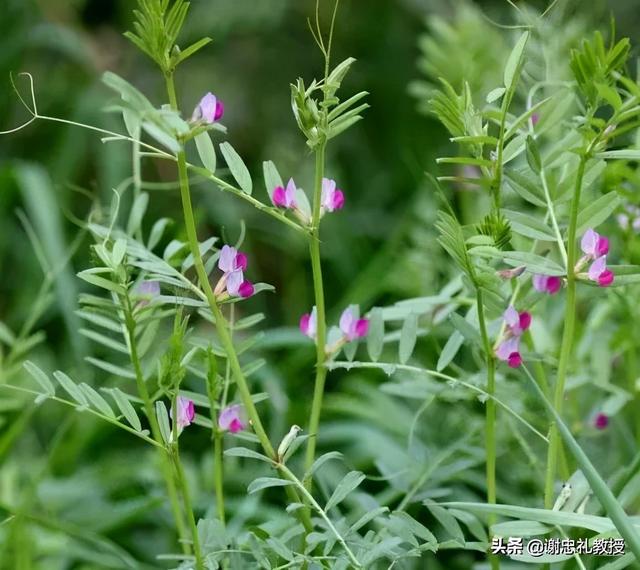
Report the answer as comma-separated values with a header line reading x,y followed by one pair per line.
x,y
321,329
567,338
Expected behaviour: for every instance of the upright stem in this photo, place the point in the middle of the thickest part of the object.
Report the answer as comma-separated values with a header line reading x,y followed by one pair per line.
x,y
567,337
490,411
217,433
165,463
321,327
218,474
186,498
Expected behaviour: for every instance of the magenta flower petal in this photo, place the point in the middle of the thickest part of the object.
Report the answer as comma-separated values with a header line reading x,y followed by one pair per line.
x,y
362,328
601,421
246,289
602,247
231,419
535,117
553,284
514,360
240,261
337,200
524,320
605,278
186,412
278,197
219,110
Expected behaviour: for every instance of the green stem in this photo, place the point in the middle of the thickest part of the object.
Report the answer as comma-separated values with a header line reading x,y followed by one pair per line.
x,y
490,411
316,266
567,337
186,499
143,392
218,474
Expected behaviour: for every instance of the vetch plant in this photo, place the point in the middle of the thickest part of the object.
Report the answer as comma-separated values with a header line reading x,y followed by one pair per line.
x,y
434,458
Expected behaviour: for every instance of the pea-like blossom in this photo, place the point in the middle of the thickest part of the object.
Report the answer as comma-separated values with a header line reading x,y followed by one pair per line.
x,y
352,326
332,198
601,421
210,109
515,325
232,419
599,273
594,245
309,323
595,248
546,283
186,412
285,197
232,263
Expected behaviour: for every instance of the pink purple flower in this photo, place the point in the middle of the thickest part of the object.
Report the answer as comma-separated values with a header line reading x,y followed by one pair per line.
x,y
285,197
595,248
601,421
352,326
210,109
515,325
535,117
546,283
232,263
232,419
332,198
594,245
599,273
186,412
309,323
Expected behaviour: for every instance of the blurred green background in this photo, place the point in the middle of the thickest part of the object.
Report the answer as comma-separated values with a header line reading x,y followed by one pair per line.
x,y
379,249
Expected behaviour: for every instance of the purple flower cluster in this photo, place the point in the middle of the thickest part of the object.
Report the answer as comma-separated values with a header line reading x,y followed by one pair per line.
x,y
516,324
595,247
232,263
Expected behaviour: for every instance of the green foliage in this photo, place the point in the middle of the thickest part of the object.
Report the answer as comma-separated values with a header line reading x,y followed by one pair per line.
x,y
400,477
157,26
